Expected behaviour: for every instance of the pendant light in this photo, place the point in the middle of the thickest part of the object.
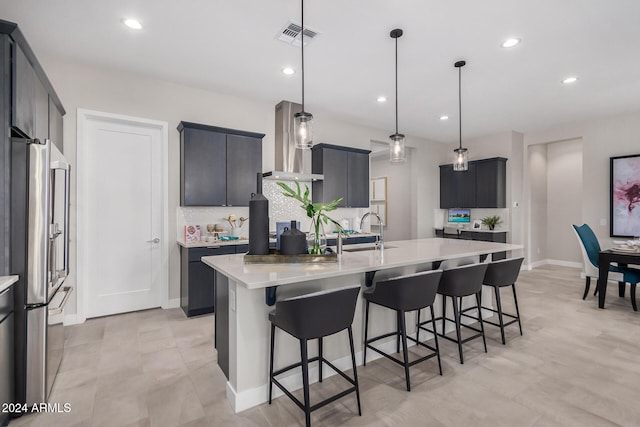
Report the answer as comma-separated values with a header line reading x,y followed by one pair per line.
x,y
396,147
303,120
461,155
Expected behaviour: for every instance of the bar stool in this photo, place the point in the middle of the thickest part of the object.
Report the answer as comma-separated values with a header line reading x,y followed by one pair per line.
x,y
402,294
312,316
499,275
458,283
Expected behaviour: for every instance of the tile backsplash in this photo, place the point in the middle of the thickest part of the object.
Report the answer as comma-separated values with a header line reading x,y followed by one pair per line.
x,y
281,208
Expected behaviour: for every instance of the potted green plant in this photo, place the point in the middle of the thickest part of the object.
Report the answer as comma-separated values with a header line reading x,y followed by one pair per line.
x,y
315,211
491,221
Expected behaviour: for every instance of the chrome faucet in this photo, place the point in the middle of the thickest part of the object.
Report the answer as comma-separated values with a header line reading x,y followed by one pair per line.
x,y
380,242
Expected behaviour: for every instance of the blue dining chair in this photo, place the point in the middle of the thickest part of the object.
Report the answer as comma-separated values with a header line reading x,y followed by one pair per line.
x,y
590,249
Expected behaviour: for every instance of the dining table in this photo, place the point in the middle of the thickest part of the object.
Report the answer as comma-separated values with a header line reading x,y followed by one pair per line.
x,y
605,258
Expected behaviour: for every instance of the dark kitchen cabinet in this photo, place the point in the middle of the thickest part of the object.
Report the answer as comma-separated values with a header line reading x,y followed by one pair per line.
x,y
7,369
197,279
24,95
482,186
55,125
487,236
346,175
457,189
218,166
491,175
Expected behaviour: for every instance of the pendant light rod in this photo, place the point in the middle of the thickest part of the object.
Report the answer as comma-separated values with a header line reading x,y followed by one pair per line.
x,y
302,47
459,66
397,33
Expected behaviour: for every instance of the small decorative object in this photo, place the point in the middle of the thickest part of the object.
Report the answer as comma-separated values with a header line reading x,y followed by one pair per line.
x,y
293,241
315,211
191,233
476,224
491,221
259,225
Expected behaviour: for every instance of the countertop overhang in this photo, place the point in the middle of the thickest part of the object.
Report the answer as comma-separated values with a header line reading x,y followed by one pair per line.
x,y
397,254
6,281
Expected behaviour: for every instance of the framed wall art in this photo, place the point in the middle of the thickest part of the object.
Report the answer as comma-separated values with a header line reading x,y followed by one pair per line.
x,y
625,196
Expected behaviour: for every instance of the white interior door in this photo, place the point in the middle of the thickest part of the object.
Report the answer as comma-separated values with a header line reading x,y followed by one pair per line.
x,y
122,219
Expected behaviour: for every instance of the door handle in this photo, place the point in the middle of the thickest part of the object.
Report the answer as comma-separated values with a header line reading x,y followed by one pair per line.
x,y
156,240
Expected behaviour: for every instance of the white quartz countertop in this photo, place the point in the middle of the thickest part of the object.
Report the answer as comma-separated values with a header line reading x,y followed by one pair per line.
x,y
396,254
6,281
241,241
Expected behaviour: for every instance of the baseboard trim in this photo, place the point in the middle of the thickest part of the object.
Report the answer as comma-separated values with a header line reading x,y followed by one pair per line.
x,y
172,303
561,263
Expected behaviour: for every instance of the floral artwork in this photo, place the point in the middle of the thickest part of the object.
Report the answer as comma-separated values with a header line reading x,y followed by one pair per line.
x,y
625,196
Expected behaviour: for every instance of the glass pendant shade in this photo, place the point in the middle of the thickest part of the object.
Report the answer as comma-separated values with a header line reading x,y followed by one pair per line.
x,y
461,159
397,148
303,130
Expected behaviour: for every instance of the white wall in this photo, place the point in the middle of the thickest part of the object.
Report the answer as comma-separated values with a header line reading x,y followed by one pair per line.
x,y
564,200
537,236
83,86
601,138
401,214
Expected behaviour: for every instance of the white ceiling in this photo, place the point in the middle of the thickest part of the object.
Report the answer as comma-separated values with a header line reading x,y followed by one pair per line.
x,y
230,47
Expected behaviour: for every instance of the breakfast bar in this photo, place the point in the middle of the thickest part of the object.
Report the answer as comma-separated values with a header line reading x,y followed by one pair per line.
x,y
242,326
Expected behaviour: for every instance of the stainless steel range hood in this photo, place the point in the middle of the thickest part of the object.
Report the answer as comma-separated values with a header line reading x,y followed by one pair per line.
x,y
291,164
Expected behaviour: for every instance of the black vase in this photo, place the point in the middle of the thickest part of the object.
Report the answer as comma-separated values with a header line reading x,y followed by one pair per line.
x,y
258,222
293,241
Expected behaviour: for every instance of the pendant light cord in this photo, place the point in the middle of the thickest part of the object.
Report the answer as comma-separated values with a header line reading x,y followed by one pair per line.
x,y
302,47
460,102
396,85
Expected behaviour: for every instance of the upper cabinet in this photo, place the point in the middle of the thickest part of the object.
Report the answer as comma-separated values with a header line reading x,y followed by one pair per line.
x,y
34,103
346,175
482,186
218,166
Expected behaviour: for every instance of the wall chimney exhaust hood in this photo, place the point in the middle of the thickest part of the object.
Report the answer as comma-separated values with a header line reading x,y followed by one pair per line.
x,y
291,164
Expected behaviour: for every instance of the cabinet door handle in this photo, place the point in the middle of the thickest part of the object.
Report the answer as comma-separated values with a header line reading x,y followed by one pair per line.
x,y
156,240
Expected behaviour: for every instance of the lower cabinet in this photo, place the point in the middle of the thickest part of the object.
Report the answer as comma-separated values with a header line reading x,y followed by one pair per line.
x,y
486,236
353,240
7,369
197,279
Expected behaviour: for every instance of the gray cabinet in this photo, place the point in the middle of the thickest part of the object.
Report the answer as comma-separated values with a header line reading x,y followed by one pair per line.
x,y
482,186
197,283
7,369
218,166
486,236
24,94
55,125
346,175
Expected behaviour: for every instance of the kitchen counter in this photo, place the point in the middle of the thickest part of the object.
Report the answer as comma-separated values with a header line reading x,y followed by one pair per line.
x,y
242,325
472,230
6,281
245,241
396,254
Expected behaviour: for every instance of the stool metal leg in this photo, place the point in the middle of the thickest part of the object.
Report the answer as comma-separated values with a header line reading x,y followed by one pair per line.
x,y
273,333
366,330
444,312
478,302
405,352
515,299
355,372
435,337
456,317
499,306
305,380
418,326
320,359
398,322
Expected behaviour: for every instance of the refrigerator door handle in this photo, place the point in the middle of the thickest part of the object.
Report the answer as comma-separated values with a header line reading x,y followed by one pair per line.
x,y
57,310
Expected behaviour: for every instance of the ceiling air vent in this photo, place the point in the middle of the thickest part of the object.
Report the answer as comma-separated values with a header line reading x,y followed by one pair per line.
x,y
290,34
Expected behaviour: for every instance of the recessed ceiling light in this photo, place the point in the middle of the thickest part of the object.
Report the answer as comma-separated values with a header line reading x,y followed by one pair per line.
x,y
382,99
444,118
570,80
132,23
288,71
511,42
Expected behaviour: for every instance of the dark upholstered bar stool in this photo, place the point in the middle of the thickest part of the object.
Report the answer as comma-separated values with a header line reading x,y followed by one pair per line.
x,y
402,294
458,283
314,316
499,275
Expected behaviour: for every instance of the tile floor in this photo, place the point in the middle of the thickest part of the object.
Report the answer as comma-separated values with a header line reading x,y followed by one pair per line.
x,y
576,365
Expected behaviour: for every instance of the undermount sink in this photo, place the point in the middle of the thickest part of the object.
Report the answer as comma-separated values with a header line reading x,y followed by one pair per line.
x,y
366,248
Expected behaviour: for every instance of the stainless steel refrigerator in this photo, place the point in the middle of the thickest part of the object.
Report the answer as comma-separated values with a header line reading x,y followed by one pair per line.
x,y
40,256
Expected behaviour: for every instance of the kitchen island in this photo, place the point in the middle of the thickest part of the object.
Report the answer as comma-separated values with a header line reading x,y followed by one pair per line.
x,y
242,327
